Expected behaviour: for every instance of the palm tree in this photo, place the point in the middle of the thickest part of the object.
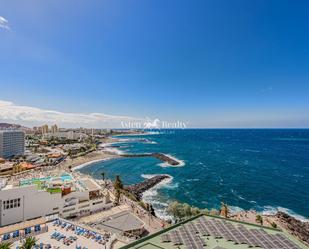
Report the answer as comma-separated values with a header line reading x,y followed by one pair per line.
x,y
259,219
118,187
5,245
224,210
118,183
29,243
103,175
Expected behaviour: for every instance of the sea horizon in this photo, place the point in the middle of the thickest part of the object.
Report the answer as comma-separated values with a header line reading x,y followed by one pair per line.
x,y
267,157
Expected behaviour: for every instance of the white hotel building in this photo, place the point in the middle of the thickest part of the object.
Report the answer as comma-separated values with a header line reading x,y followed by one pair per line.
x,y
12,143
76,198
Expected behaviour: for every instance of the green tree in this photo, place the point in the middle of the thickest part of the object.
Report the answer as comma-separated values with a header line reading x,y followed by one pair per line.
x,y
273,225
214,212
5,245
176,210
29,243
195,211
259,219
182,211
187,210
205,211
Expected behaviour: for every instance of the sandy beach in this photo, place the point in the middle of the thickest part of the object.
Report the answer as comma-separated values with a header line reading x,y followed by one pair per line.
x,y
93,157
79,162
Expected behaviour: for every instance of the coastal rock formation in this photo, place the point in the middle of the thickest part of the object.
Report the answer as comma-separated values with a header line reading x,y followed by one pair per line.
x,y
160,156
138,189
296,227
165,158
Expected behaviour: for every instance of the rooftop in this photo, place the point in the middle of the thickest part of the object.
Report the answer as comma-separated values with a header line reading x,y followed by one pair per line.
x,y
53,182
217,233
120,222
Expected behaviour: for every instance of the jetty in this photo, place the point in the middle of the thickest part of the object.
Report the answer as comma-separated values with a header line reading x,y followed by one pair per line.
x,y
138,189
160,156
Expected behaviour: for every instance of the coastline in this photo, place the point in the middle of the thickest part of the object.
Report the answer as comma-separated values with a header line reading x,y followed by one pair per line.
x,y
80,162
107,152
147,196
91,162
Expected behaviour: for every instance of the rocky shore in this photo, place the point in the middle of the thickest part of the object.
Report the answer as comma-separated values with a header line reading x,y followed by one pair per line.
x,y
138,189
295,227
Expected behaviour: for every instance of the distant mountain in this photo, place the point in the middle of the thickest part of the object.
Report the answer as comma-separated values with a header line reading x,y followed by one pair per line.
x,y
13,126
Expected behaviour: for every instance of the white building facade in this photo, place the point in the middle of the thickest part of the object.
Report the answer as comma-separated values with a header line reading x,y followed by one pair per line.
x,y
19,204
12,143
71,135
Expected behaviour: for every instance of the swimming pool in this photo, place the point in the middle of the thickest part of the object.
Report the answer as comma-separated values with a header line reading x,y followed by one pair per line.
x,y
38,181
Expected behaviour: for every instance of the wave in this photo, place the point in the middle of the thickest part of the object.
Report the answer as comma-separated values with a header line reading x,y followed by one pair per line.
x,y
181,163
149,142
234,209
151,196
113,150
193,180
153,133
270,210
147,133
250,150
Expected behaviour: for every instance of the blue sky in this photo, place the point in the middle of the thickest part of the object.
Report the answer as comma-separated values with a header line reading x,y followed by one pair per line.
x,y
208,63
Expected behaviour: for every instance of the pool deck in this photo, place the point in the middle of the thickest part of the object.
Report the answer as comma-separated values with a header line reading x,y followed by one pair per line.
x,y
82,241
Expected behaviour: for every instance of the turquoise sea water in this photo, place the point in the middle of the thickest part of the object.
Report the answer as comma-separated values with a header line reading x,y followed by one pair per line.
x,y
263,169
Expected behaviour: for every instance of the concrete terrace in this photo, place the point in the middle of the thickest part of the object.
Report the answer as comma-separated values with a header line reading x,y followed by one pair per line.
x,y
203,232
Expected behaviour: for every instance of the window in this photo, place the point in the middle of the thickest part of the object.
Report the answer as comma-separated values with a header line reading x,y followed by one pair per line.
x,y
9,204
99,202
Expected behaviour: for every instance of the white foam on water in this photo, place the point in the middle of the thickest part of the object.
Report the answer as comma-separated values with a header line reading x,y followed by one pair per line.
x,y
147,133
270,210
108,144
235,209
181,163
153,133
151,195
113,150
193,180
150,142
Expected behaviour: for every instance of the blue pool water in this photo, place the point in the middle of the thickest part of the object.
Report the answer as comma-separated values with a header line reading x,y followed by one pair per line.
x,y
263,169
64,178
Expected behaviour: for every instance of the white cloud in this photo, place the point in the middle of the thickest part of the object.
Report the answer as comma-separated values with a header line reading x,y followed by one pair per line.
x,y
4,23
26,115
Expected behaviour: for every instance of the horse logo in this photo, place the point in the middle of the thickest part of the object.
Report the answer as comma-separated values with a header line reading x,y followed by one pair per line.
x,y
155,124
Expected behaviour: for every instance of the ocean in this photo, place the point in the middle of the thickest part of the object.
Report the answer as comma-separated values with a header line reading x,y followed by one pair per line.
x,y
262,169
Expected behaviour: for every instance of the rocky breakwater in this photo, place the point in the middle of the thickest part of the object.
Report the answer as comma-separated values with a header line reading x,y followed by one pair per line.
x,y
138,189
296,227
164,158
